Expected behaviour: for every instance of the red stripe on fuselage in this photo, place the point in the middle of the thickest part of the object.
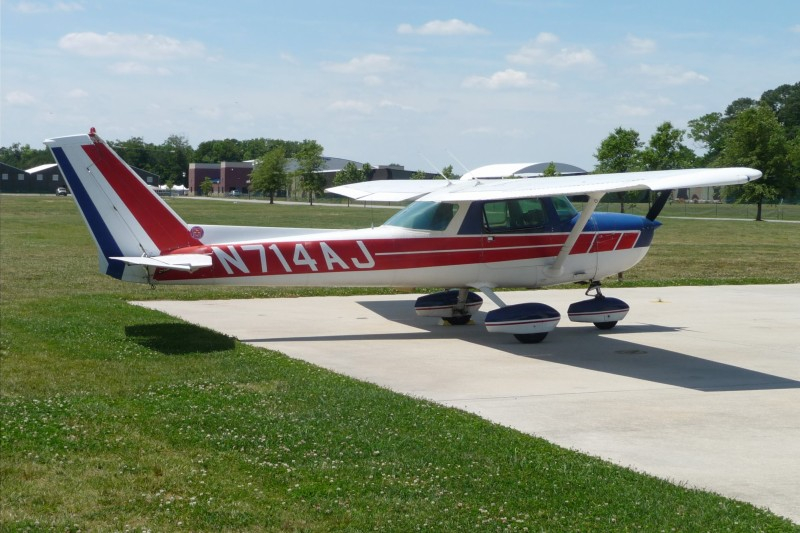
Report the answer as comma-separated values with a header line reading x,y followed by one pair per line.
x,y
309,257
165,230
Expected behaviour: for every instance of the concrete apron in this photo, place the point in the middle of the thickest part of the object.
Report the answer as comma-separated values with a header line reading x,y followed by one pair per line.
x,y
698,385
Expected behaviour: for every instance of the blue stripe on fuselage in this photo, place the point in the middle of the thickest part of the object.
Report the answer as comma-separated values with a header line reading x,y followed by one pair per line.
x,y
108,246
625,222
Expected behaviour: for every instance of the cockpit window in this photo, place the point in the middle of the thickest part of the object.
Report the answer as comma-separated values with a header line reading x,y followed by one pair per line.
x,y
524,214
434,216
564,208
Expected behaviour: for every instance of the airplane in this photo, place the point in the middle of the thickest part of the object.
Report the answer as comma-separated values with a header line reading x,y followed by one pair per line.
x,y
469,234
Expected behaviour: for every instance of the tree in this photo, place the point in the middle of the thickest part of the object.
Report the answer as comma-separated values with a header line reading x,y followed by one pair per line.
x,y
309,164
709,132
619,152
551,170
666,151
137,153
366,172
739,105
419,175
174,156
756,139
218,151
448,173
350,173
785,102
269,173
207,186
23,156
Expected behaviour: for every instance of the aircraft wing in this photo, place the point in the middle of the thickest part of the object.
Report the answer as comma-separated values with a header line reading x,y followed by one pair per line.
x,y
388,190
499,189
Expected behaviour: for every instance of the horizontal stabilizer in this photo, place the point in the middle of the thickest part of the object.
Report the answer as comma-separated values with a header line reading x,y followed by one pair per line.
x,y
183,262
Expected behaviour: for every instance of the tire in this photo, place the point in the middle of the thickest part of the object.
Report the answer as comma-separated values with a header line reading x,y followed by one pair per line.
x,y
605,325
530,338
458,320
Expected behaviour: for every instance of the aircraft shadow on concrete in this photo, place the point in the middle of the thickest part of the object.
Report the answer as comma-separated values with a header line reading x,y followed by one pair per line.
x,y
580,347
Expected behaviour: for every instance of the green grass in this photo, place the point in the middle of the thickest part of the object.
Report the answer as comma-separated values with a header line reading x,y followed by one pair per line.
x,y
115,417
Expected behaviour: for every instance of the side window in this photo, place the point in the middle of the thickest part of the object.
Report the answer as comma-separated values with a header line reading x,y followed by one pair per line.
x,y
564,208
523,215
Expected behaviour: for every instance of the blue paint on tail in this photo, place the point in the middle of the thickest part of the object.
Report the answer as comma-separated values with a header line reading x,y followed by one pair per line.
x,y
108,246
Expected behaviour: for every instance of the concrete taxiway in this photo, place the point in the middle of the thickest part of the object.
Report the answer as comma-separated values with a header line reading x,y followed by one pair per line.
x,y
699,385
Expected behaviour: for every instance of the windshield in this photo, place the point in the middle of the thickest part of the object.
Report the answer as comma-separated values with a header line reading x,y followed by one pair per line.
x,y
433,216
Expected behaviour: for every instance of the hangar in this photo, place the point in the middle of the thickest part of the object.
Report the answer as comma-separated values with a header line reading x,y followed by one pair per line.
x,y
46,179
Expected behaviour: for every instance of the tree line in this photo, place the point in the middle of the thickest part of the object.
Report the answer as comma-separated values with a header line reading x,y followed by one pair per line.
x,y
763,134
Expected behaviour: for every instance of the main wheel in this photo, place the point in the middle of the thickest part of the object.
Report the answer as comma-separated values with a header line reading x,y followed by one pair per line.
x,y
605,325
457,320
530,338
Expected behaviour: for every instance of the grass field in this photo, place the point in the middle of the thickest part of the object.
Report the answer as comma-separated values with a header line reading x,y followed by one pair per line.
x,y
119,418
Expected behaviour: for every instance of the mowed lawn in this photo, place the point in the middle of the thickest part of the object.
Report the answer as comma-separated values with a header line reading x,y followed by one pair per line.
x,y
119,418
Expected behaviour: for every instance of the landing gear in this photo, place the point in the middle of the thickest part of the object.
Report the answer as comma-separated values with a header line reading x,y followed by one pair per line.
x,y
454,307
605,325
460,320
601,311
530,338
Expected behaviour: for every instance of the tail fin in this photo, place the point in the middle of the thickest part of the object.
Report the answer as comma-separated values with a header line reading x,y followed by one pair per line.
x,y
126,217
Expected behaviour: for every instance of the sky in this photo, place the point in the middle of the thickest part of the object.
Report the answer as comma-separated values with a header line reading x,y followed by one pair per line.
x,y
422,83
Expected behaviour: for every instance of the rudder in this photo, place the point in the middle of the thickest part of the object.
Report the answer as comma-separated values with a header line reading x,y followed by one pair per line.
x,y
125,217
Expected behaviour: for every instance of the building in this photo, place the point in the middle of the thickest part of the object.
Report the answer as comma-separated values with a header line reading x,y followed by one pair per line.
x,y
46,179
234,177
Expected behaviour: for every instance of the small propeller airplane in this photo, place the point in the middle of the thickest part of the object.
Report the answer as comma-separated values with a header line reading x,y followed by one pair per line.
x,y
472,233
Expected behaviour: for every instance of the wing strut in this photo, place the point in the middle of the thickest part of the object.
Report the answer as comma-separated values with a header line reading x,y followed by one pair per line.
x,y
658,205
566,248
489,292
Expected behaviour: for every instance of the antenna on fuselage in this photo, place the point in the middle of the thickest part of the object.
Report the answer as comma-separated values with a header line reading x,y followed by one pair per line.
x,y
466,170
434,167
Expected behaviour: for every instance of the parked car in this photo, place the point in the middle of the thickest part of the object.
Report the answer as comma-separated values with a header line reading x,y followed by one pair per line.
x,y
61,191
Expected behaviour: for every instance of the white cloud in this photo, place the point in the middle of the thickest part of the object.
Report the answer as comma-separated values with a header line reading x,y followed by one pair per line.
x,y
35,8
442,27
506,79
368,64
133,68
140,46
20,98
636,45
795,28
672,75
347,106
627,110
388,104
77,93
286,57
543,50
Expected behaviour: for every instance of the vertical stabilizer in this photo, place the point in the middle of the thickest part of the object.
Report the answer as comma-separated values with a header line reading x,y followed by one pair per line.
x,y
125,216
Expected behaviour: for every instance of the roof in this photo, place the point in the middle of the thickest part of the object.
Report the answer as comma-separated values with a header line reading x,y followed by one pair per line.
x,y
523,170
41,168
